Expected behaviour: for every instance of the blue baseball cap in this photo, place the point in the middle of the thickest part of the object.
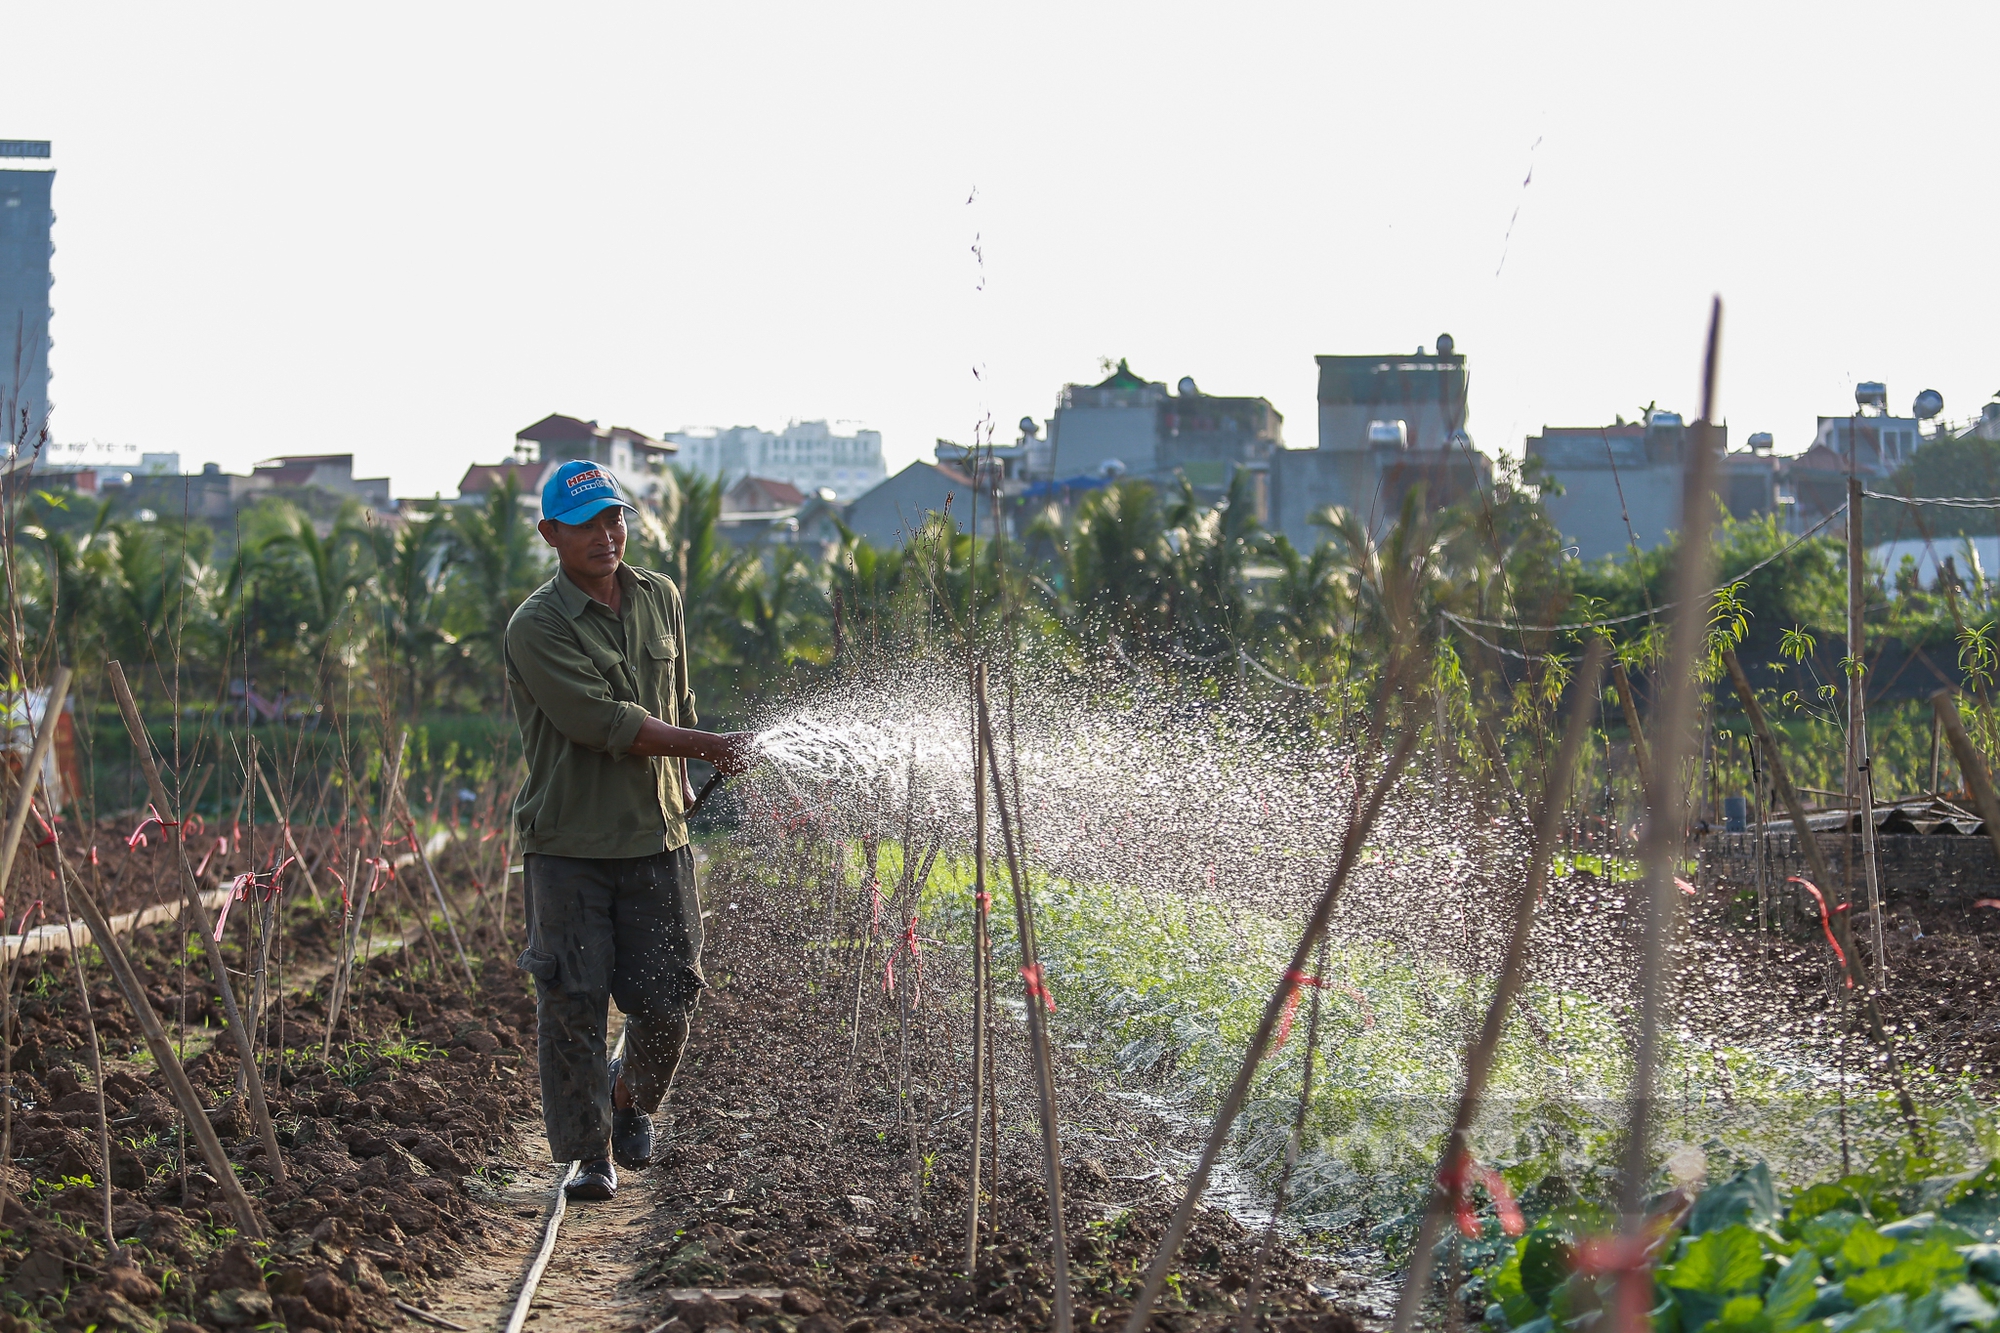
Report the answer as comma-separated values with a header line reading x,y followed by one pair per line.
x,y
579,491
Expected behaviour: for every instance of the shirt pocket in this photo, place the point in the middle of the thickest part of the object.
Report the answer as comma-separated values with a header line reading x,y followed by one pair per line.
x,y
662,655
610,663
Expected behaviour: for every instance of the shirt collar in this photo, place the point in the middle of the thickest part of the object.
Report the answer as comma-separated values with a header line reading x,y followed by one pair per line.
x,y
575,601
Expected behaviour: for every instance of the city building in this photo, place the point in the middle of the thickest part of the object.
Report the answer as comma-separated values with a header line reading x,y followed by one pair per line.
x,y
325,472
1128,425
1624,484
807,454
638,461
95,468
1012,467
891,513
1388,426
27,220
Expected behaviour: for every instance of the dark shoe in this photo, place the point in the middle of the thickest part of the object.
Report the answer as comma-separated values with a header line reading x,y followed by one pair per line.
x,y
593,1180
632,1138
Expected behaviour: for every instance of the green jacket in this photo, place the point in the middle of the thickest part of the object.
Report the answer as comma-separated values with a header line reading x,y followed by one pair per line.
x,y
583,680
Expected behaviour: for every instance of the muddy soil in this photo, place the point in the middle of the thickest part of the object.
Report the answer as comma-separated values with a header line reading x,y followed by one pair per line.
x,y
799,1191
397,1147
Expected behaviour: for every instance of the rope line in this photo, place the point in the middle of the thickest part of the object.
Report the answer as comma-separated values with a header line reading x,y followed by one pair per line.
x,y
1780,554
1951,501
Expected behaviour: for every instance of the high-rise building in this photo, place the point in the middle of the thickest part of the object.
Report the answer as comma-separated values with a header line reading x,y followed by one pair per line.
x,y
807,454
26,220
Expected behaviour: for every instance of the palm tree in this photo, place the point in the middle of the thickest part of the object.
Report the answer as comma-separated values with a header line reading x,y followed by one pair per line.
x,y
774,601
320,576
1212,549
411,561
499,560
1119,576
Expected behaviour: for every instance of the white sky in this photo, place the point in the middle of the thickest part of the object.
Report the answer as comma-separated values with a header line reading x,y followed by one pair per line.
x,y
409,230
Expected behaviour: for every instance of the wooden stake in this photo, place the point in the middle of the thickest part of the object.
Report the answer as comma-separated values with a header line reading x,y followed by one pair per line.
x,y
981,901
1666,815
1038,1031
1816,863
1859,778
1480,1056
1944,706
155,1033
142,744
1361,819
285,823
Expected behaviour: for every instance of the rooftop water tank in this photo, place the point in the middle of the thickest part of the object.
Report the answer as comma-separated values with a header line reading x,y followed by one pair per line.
x,y
1760,442
1388,435
1186,387
1872,393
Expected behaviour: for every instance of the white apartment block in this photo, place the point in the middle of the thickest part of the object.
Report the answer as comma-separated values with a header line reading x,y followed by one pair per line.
x,y
808,454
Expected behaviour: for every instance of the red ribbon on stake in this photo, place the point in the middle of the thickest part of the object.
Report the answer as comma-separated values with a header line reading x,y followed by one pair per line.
x,y
1294,979
1456,1179
1825,921
138,838
1038,989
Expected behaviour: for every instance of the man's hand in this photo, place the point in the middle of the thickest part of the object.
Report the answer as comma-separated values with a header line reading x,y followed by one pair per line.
x,y
731,752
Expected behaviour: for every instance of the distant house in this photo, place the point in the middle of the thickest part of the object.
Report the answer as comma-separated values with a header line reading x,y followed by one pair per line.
x,y
638,460
1624,484
325,472
482,479
761,495
890,514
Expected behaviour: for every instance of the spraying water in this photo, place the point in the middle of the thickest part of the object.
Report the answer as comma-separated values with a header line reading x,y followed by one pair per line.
x,y
1174,845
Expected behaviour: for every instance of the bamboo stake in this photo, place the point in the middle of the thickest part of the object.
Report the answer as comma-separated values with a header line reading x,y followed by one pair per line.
x,y
82,981
285,824
1816,864
1859,778
10,843
981,903
1038,1032
1944,705
1480,1057
344,973
1666,821
1247,1323
1629,706
1361,819
444,908
260,1113
38,753
163,1055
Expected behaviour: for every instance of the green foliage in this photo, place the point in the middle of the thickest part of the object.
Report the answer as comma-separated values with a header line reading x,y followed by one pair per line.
x,y
1865,1252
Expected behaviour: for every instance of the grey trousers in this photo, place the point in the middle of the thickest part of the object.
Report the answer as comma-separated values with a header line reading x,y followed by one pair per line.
x,y
626,928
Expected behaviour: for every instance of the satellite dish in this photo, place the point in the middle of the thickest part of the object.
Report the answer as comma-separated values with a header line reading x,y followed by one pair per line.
x,y
1028,427
1445,344
1186,387
1111,469
1929,403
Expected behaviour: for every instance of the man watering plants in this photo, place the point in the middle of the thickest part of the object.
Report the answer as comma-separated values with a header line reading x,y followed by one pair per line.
x,y
597,664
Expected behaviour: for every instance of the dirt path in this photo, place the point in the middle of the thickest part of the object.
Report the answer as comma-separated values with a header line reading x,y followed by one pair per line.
x,y
590,1283
790,1194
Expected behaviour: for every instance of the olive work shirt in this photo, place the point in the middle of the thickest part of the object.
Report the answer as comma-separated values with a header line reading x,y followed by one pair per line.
x,y
583,679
